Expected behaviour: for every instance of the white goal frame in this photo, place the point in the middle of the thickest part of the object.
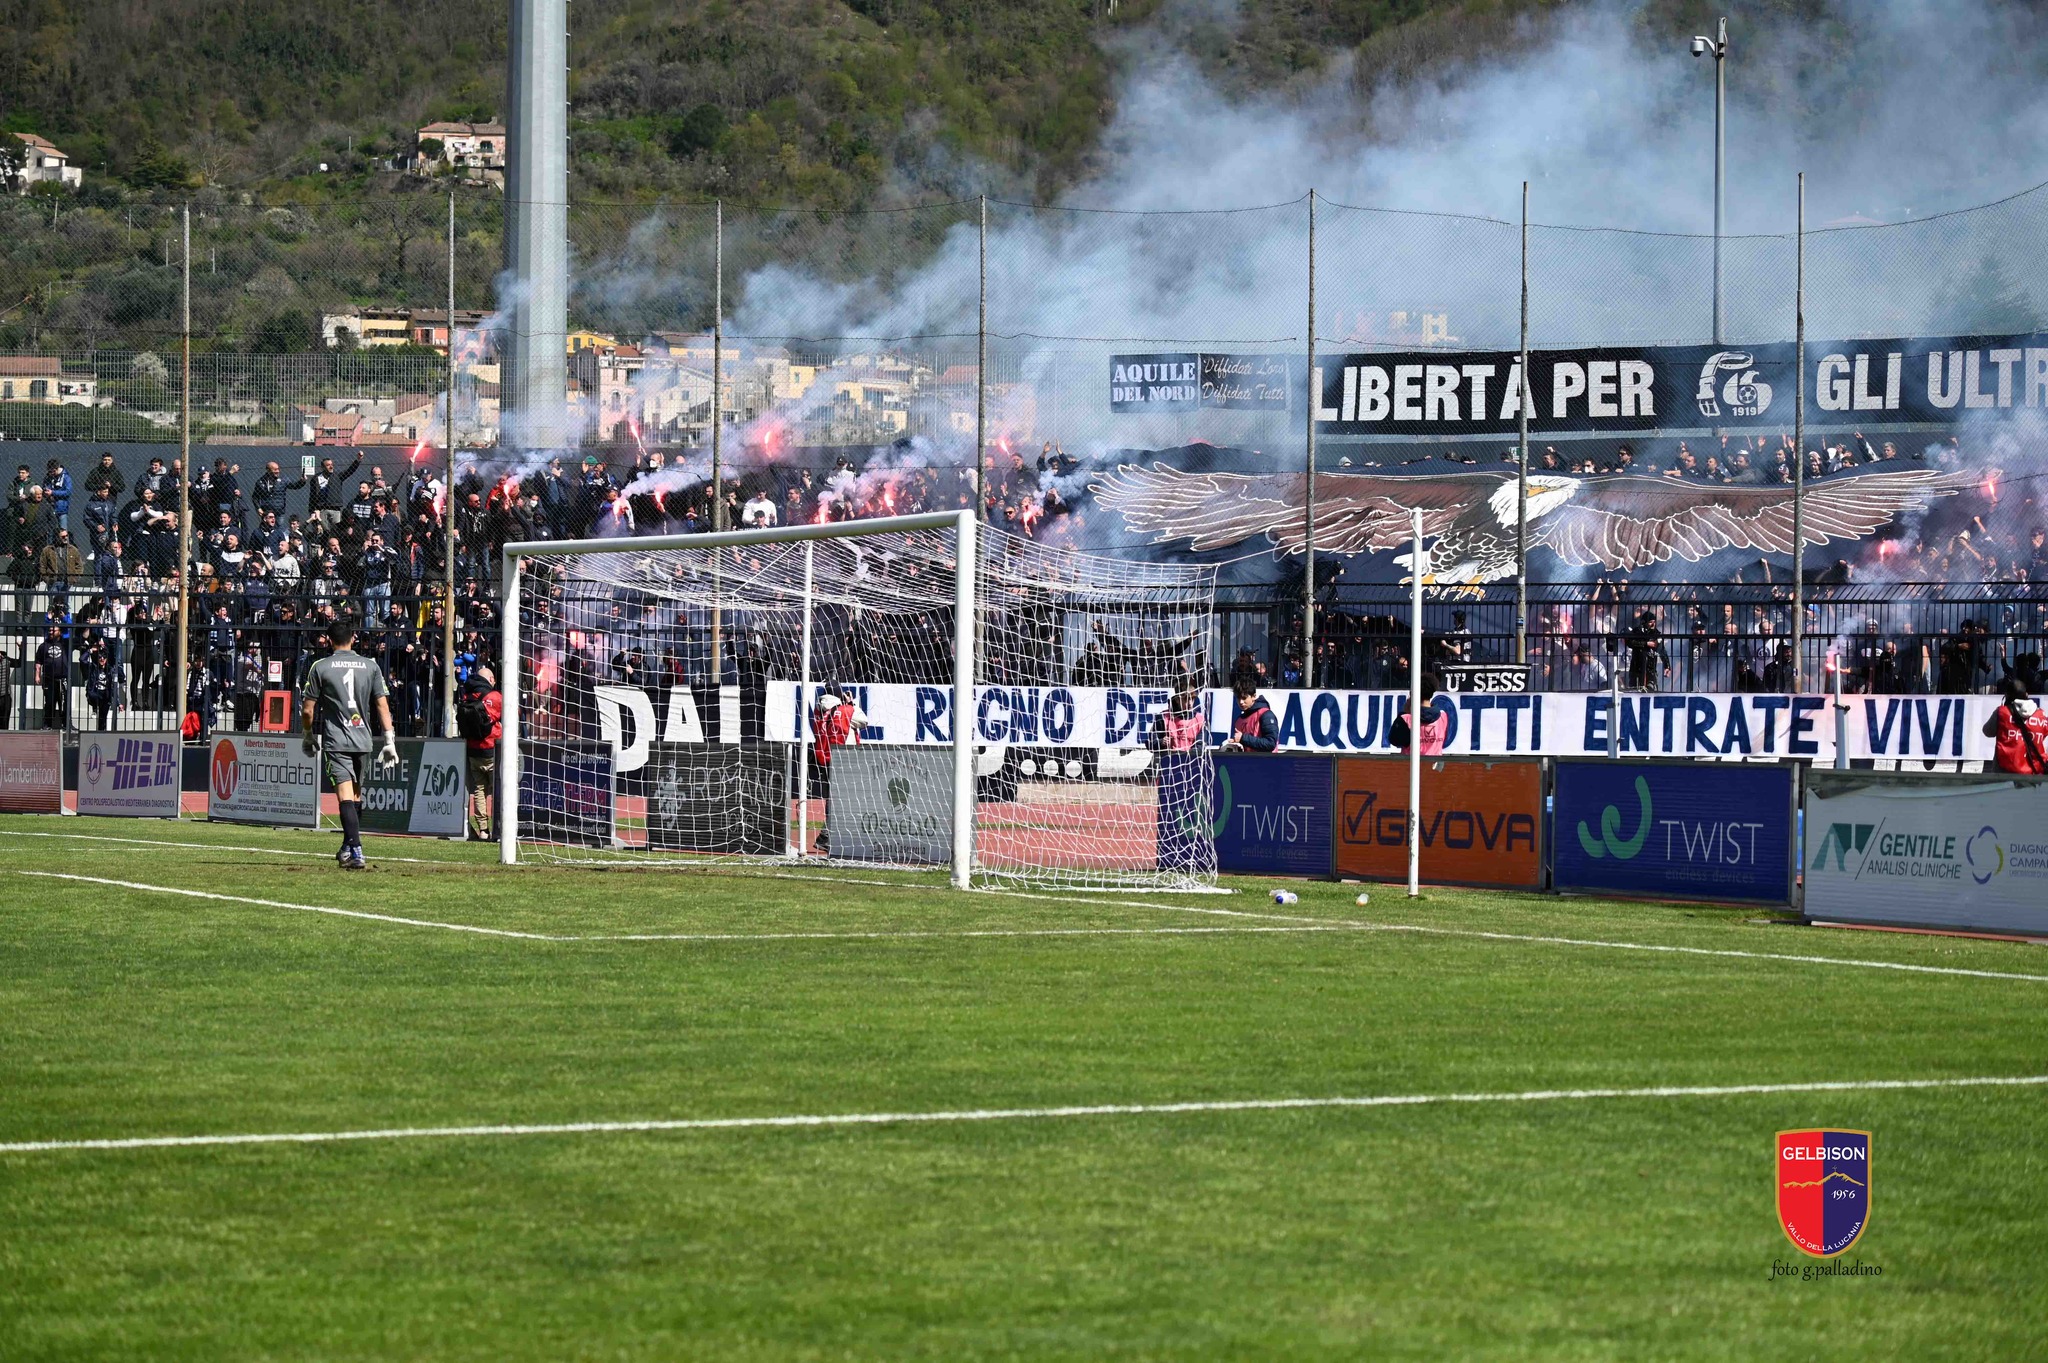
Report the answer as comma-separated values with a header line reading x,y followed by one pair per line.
x,y
964,525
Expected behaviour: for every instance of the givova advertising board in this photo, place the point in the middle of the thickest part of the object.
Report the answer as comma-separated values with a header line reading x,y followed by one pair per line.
x,y
425,794
891,804
1673,830
32,773
133,775
252,778
1927,851
1272,814
1481,822
718,798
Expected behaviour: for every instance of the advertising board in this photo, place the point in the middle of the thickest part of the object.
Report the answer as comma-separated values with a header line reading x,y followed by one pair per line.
x,y
1272,814
718,797
1673,830
424,794
891,804
130,775
1927,851
253,778
568,794
32,773
1481,822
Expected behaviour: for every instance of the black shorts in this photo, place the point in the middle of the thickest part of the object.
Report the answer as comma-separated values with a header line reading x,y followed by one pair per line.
x,y
346,766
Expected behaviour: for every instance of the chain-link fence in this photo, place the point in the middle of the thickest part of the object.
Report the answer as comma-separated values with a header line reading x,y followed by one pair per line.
x,y
1135,382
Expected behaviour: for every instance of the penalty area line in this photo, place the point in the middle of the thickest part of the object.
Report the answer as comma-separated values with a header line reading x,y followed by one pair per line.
x,y
1020,1114
852,935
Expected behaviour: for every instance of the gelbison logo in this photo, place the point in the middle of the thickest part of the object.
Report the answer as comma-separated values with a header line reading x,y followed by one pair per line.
x,y
227,770
1729,377
1823,1189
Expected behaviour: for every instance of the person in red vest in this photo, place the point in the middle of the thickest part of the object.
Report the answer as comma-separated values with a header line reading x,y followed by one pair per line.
x,y
1179,727
837,722
1436,720
2021,731
1255,729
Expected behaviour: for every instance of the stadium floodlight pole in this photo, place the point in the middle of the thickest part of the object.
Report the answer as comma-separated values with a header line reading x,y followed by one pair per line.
x,y
1522,460
184,662
981,373
1799,448
1718,46
961,522
448,520
1415,567
717,424
1315,400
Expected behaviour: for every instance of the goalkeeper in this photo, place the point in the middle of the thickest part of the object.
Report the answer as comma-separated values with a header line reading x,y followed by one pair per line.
x,y
338,688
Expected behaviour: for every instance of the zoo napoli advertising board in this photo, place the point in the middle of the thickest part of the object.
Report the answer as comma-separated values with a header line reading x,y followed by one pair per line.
x,y
1927,851
1483,724
424,794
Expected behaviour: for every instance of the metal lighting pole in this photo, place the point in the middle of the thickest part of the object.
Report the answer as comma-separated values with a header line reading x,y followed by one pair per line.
x,y
981,376
1522,461
1315,400
717,429
1718,47
185,485
1799,452
1415,565
448,521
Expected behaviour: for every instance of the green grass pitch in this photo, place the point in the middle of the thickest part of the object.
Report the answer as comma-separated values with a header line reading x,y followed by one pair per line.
x,y
1624,1227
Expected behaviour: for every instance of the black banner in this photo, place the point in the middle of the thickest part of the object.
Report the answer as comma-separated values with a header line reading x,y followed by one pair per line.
x,y
718,797
1866,384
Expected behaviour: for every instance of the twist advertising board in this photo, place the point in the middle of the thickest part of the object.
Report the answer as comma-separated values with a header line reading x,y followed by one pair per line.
x,y
32,773
1673,830
1927,851
134,776
1481,822
425,793
891,804
254,778
1272,814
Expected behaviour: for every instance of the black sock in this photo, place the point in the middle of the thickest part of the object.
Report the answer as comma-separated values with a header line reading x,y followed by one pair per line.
x,y
351,825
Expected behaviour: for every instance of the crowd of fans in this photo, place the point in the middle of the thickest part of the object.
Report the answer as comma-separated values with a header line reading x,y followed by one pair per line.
x,y
92,576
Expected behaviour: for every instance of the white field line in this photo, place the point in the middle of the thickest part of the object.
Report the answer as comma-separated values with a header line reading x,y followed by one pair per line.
x,y
1015,1114
872,934
230,847
1274,922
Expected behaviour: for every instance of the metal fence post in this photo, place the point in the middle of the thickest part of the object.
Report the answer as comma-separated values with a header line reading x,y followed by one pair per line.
x,y
184,656
1799,454
1522,460
1315,400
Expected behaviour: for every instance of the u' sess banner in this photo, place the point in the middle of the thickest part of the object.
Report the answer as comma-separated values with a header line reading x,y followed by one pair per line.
x,y
1673,830
1482,724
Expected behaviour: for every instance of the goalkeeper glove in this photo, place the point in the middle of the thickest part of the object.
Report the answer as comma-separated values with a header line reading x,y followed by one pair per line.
x,y
387,756
309,744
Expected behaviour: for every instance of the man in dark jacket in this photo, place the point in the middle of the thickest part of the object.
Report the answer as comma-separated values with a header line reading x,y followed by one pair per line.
x,y
1255,729
102,518
105,475
268,492
329,486
53,661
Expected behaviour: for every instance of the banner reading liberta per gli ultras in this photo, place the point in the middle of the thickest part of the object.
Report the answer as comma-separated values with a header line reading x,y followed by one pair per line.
x,y
1540,724
252,778
1927,851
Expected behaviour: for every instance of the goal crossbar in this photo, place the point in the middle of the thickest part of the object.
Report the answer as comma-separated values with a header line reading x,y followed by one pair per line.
x,y
962,523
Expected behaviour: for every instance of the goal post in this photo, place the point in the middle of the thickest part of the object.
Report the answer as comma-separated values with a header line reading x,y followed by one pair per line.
x,y
918,691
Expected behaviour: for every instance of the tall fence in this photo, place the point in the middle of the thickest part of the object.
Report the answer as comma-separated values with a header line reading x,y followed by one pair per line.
x,y
843,363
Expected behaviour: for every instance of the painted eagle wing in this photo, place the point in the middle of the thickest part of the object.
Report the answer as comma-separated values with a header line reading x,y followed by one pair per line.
x,y
1629,521
1355,513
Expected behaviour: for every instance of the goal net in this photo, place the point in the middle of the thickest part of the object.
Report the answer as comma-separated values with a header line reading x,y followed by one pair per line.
x,y
788,696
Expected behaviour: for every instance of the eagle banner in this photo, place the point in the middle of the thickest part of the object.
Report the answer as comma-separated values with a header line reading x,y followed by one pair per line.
x,y
1869,384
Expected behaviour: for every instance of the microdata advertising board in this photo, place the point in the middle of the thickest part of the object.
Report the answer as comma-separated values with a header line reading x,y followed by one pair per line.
x,y
1273,815
1674,830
